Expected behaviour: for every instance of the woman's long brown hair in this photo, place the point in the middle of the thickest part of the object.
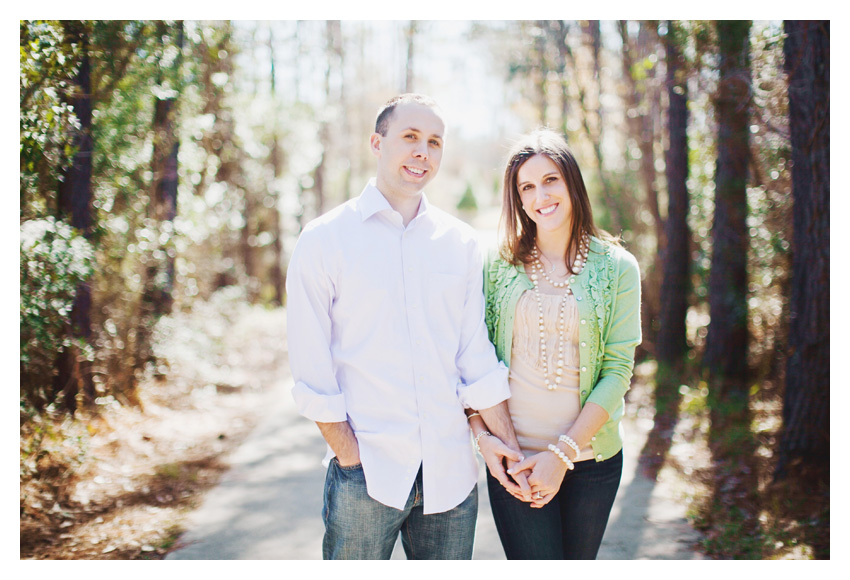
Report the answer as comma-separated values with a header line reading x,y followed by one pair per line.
x,y
519,230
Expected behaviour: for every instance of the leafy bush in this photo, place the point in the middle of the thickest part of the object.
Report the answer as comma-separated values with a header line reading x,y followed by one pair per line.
x,y
55,259
467,201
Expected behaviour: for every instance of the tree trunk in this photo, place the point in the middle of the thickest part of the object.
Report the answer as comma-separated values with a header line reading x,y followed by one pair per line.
x,y
245,234
158,271
408,63
725,358
640,123
638,97
75,204
164,164
595,137
671,342
595,36
319,171
277,271
804,447
542,69
556,31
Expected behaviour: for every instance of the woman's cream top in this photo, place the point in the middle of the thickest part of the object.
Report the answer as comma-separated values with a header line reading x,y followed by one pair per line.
x,y
539,415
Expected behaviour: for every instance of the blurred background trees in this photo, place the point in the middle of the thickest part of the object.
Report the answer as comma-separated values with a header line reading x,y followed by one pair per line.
x,y
165,161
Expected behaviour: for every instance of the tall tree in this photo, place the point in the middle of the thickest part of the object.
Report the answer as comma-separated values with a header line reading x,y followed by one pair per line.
x,y
804,447
639,96
409,76
725,358
642,98
595,136
74,202
671,341
276,155
166,146
556,32
158,277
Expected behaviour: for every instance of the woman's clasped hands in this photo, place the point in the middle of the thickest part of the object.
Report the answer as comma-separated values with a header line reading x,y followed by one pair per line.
x,y
498,456
534,480
544,473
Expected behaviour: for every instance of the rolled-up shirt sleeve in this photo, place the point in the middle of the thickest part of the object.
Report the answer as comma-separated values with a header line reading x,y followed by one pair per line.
x,y
487,391
484,380
310,295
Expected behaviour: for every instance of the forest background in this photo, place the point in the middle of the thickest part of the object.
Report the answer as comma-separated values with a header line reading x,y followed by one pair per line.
x,y
167,168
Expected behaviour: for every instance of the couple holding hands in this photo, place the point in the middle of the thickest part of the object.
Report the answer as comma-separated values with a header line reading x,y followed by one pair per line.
x,y
409,348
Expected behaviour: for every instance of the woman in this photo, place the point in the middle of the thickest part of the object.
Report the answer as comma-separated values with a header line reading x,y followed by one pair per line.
x,y
563,310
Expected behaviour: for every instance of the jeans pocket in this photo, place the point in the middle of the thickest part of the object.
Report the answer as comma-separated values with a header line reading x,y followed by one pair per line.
x,y
355,467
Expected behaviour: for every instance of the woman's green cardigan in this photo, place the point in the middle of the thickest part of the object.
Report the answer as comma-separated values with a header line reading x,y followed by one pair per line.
x,y
607,293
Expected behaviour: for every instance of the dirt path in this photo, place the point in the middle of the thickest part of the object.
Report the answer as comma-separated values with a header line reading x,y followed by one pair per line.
x,y
268,505
118,484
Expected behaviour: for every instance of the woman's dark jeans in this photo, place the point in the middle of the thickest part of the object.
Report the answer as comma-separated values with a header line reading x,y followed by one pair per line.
x,y
570,526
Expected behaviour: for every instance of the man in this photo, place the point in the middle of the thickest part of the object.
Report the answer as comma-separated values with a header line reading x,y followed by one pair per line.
x,y
388,347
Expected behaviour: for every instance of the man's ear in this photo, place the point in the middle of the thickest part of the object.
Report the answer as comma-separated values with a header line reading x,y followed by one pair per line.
x,y
375,144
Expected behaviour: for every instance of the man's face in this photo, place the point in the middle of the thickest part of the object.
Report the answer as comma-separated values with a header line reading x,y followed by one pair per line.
x,y
410,153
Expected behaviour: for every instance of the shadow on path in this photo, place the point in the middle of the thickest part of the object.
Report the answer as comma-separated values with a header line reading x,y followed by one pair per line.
x,y
268,506
648,519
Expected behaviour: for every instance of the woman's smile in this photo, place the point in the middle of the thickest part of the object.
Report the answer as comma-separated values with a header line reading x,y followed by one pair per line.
x,y
549,209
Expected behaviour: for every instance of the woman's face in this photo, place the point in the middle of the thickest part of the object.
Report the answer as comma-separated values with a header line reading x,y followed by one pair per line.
x,y
544,194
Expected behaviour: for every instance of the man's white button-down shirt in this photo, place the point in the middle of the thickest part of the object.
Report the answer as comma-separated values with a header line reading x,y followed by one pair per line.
x,y
386,330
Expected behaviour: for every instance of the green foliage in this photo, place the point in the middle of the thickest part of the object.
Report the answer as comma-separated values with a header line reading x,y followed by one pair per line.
x,y
732,535
55,259
127,238
46,120
467,201
694,401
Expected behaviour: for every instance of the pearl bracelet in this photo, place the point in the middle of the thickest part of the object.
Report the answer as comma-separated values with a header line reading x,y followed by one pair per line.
x,y
569,441
554,449
480,435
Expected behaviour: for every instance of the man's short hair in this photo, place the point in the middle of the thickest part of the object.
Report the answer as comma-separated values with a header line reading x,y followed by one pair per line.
x,y
385,113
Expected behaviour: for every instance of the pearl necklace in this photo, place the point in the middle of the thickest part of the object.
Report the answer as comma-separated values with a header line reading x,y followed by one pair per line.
x,y
537,268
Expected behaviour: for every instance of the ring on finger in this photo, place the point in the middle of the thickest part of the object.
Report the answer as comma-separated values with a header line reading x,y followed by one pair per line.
x,y
538,496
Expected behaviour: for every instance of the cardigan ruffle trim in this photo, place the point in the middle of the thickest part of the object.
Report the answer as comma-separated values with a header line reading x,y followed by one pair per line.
x,y
599,287
598,284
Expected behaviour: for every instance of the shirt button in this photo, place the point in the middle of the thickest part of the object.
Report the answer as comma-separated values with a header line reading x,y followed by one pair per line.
x,y
584,369
599,456
584,321
593,438
573,279
583,393
584,344
578,298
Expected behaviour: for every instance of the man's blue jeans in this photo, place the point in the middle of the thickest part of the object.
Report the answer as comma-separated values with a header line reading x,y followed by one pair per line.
x,y
358,527
570,526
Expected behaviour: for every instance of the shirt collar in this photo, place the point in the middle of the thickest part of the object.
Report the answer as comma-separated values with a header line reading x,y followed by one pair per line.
x,y
372,201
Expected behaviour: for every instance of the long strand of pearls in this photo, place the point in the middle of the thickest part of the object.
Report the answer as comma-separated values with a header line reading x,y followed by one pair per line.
x,y
537,268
